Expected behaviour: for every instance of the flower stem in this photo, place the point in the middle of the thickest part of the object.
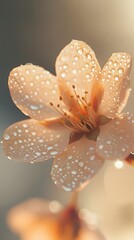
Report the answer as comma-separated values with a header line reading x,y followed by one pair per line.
x,y
74,198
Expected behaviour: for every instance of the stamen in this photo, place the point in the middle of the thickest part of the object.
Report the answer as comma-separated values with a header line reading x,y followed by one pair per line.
x,y
80,116
73,86
60,110
79,101
86,97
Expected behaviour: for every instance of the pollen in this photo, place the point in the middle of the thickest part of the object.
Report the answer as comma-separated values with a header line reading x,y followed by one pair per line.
x,y
80,116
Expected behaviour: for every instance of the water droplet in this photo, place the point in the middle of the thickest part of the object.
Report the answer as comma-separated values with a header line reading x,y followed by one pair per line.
x,y
115,63
80,51
113,70
120,70
64,66
93,69
110,62
81,164
89,56
87,75
67,189
47,82
63,74
34,107
49,148
6,136
53,153
87,65
101,146
74,71
74,172
76,58
109,75
116,78
92,157
15,74
25,125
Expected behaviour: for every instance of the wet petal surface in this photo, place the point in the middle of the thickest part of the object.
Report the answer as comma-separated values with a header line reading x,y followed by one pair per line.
x,y
76,65
116,84
76,165
31,141
116,139
32,89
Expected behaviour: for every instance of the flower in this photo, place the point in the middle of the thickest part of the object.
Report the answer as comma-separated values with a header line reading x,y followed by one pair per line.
x,y
38,219
77,117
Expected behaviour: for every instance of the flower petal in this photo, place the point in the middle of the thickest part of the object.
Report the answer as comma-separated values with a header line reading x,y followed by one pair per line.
x,y
32,141
90,234
31,213
25,214
76,66
116,139
115,80
32,89
76,165
44,229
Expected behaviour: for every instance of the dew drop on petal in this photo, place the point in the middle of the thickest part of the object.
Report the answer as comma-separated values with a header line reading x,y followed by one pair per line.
x,y
120,71
81,164
6,136
67,189
116,78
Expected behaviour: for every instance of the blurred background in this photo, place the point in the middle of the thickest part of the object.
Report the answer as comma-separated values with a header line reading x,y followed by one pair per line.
x,y
35,31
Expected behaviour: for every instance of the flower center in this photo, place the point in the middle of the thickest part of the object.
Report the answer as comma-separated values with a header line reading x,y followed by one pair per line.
x,y
80,115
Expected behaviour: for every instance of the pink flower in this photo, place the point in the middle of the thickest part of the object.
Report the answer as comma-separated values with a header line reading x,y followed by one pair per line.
x,y
37,219
77,114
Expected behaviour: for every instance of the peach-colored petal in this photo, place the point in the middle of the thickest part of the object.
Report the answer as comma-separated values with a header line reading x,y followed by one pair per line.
x,y
90,234
32,89
116,139
76,65
32,141
22,217
25,214
76,165
47,229
115,80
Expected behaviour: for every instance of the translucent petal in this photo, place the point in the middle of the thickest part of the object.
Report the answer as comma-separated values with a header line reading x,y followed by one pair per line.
x,y
116,139
43,230
32,89
31,141
87,234
76,165
25,214
76,65
115,80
